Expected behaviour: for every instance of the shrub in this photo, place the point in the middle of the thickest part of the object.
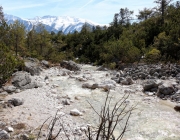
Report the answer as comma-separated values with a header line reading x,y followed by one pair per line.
x,y
153,56
8,63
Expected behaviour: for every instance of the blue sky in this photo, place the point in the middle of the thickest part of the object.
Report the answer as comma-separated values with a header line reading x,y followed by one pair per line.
x,y
99,11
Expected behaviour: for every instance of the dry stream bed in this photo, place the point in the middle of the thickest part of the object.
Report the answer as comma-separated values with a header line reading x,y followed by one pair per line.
x,y
153,118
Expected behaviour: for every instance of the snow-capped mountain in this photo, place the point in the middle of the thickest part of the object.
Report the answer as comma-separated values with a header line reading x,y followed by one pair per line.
x,y
65,24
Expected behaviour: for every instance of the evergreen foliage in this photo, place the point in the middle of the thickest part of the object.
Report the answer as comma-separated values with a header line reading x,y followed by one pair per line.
x,y
156,35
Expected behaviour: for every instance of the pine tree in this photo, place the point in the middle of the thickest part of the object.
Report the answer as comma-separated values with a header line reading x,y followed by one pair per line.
x,y
18,34
161,7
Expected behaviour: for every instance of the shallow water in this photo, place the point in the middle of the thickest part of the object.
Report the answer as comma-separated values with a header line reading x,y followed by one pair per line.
x,y
153,119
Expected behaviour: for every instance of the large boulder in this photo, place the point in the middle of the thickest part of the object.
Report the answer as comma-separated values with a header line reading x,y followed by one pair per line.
x,y
9,89
45,63
21,79
32,66
150,85
165,89
70,65
24,80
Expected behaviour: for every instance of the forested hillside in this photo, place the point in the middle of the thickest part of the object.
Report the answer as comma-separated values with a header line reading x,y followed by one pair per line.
x,y
155,35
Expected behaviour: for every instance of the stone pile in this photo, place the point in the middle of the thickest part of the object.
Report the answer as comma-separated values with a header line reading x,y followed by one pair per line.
x,y
156,79
151,71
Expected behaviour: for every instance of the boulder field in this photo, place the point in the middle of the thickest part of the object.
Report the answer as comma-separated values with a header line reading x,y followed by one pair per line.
x,y
70,90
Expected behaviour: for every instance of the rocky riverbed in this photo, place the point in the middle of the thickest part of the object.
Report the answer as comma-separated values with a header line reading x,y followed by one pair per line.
x,y
27,101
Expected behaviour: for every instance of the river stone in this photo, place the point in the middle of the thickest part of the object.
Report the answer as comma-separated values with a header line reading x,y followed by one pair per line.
x,y
142,75
75,112
65,102
3,93
156,74
149,84
9,129
25,136
9,89
2,124
70,65
4,134
102,68
177,108
45,63
127,81
166,89
90,86
124,82
149,93
16,101
176,97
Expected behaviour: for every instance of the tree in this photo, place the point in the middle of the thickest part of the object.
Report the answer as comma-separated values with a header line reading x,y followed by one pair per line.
x,y
4,28
162,42
42,40
145,14
125,15
162,6
8,63
1,14
30,40
18,34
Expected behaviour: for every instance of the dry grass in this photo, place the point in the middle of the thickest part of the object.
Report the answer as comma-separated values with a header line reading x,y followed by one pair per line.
x,y
19,126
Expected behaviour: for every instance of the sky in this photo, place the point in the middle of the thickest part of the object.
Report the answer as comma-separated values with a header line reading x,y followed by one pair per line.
x,y
98,11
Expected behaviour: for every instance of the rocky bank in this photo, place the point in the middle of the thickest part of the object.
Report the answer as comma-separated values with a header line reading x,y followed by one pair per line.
x,y
34,95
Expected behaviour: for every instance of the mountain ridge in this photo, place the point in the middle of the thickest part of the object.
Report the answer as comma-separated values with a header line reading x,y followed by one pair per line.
x,y
66,24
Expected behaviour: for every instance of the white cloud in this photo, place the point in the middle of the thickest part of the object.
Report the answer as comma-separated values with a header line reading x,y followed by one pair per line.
x,y
23,7
86,4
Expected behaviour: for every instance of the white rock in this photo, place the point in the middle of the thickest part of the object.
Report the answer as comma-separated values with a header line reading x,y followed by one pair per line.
x,y
75,112
55,85
4,134
83,129
47,82
59,107
54,91
149,93
17,90
9,129
61,113
88,125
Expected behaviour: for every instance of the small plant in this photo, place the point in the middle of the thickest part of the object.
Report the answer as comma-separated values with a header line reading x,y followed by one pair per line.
x,y
109,118
112,65
31,137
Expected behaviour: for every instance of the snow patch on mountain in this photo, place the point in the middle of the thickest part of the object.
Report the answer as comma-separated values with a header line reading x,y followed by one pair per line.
x,y
66,24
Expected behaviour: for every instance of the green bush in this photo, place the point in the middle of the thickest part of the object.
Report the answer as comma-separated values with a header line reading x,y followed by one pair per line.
x,y
153,56
8,63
